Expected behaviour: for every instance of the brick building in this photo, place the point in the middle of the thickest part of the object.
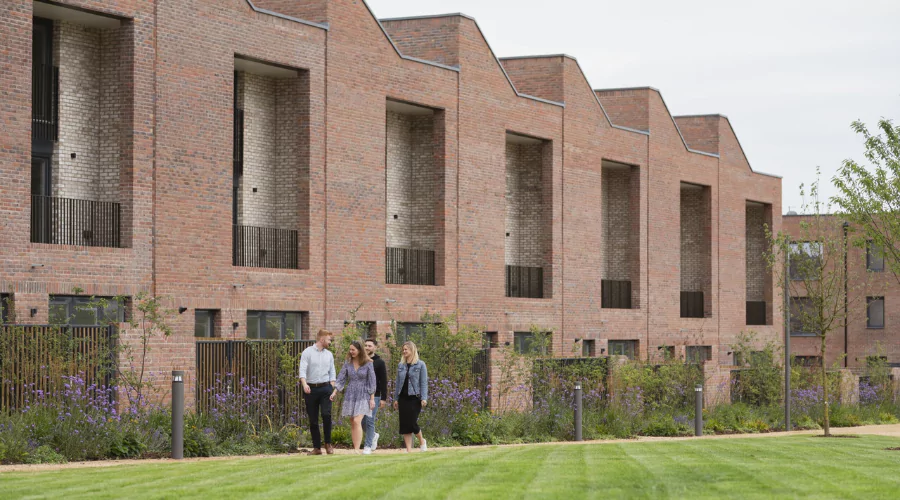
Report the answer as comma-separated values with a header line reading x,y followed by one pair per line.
x,y
873,327
269,166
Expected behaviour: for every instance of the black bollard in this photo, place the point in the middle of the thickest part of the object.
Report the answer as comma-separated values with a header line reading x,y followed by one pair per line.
x,y
698,410
178,415
578,413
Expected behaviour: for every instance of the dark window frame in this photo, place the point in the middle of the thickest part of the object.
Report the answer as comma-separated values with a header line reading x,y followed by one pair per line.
x,y
6,300
698,353
869,322
589,348
114,312
804,248
874,254
522,343
627,348
211,317
368,329
796,325
262,319
490,339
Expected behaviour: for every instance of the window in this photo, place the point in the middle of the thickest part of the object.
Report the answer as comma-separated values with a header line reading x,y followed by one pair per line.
x,y
588,349
85,311
489,339
204,323
808,361
698,353
407,331
525,344
805,260
366,329
6,305
874,257
753,358
876,361
626,348
270,325
802,316
874,312
692,305
615,294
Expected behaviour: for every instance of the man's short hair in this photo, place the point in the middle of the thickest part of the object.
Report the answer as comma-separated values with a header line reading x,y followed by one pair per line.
x,y
372,340
324,333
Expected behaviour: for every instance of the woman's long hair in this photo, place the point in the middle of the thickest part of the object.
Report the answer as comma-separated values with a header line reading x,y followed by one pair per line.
x,y
413,352
361,355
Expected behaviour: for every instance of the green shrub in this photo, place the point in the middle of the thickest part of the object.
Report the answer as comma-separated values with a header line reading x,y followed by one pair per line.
x,y
340,434
45,455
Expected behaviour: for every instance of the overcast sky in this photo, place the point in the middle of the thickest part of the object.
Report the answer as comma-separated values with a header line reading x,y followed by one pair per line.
x,y
791,75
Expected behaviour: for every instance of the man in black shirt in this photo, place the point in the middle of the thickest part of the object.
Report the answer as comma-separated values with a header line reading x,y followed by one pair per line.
x,y
380,396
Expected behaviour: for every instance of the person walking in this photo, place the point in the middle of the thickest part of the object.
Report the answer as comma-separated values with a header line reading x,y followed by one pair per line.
x,y
358,377
411,394
380,396
317,379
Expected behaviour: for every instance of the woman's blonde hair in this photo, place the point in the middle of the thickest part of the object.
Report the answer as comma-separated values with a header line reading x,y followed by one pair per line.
x,y
413,352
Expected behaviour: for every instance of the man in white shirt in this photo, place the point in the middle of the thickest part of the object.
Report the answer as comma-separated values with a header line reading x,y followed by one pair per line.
x,y
317,376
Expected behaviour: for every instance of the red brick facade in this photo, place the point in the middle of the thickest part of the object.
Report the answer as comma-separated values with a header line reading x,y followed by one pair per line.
x,y
176,179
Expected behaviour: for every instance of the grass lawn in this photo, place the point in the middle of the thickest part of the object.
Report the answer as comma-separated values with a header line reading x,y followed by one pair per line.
x,y
778,467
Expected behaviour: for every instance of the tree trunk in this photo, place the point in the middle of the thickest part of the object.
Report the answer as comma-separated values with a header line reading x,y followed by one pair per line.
x,y
827,424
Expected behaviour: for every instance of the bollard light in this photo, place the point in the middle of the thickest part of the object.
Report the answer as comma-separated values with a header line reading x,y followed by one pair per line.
x,y
578,436
698,410
178,414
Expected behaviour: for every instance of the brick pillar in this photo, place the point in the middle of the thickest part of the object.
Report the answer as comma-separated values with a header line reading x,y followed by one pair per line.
x,y
849,387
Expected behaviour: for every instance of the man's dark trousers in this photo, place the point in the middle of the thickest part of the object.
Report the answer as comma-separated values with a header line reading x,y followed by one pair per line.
x,y
319,398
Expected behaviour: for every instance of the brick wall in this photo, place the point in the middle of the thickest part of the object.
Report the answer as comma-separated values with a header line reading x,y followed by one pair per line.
x,y
618,250
411,176
524,205
695,243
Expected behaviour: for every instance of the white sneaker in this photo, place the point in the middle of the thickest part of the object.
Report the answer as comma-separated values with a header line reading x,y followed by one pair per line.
x,y
375,441
367,451
423,445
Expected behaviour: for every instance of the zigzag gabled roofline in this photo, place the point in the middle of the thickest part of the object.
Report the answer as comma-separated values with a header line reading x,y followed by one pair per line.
x,y
323,26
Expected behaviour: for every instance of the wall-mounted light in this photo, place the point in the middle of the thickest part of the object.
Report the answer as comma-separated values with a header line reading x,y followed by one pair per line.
x,y
577,340
35,266
506,343
238,285
235,325
33,312
729,353
182,309
602,350
390,301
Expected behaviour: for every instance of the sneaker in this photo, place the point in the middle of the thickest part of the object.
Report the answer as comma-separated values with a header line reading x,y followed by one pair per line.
x,y
423,445
375,441
367,451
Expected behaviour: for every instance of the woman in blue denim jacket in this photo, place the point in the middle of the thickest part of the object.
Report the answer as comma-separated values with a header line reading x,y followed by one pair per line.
x,y
411,395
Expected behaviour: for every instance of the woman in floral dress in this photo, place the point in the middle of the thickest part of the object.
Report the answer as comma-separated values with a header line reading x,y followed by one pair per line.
x,y
358,377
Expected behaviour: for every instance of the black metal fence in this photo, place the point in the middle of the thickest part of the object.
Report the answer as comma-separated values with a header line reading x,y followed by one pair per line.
x,y
261,374
265,247
67,221
615,294
525,282
45,102
37,358
409,266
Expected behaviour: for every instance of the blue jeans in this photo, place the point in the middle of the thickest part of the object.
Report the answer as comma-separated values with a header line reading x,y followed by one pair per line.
x,y
368,424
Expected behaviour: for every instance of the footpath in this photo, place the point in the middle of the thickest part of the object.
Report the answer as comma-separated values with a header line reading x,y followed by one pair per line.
x,y
892,430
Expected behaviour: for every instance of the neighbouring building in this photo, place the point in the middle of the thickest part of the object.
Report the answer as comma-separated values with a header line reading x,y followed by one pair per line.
x,y
873,329
269,166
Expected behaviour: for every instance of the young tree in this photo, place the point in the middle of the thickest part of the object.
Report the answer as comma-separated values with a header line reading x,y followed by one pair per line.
x,y
869,197
817,273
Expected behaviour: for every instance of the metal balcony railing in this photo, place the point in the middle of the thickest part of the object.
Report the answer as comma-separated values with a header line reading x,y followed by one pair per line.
x,y
525,282
67,221
409,266
265,247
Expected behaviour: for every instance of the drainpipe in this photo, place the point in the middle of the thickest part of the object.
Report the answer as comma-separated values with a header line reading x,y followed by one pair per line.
x,y
845,225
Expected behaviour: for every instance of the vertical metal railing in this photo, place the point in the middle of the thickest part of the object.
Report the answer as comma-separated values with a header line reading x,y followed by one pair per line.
x,y
67,221
525,282
265,247
409,266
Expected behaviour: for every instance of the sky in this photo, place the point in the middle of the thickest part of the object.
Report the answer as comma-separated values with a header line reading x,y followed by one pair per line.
x,y
791,75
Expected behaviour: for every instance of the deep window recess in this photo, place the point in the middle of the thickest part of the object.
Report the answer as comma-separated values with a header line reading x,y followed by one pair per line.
x,y
204,323
874,257
805,260
801,316
587,348
874,312
366,329
525,344
405,331
692,305
756,312
489,340
6,305
808,361
269,325
85,311
698,353
626,348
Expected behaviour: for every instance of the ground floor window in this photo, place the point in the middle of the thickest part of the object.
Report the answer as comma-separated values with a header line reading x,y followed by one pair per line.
x,y
85,311
270,325
627,348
